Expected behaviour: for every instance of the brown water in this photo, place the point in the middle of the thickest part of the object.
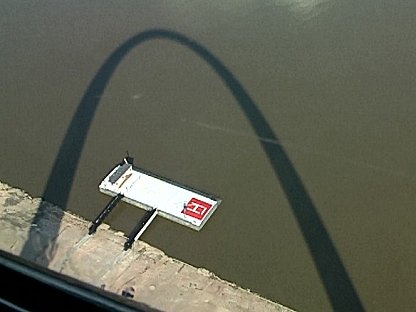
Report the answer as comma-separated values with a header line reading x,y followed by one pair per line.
x,y
334,80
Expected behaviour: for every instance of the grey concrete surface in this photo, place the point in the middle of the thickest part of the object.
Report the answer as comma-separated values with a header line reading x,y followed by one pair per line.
x,y
144,273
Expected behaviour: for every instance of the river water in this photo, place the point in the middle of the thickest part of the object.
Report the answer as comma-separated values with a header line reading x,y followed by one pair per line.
x,y
299,114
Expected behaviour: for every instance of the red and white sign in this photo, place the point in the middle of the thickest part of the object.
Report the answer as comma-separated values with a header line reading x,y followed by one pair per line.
x,y
197,209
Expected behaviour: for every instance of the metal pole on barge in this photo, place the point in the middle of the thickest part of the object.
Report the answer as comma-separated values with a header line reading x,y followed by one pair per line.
x,y
106,211
140,228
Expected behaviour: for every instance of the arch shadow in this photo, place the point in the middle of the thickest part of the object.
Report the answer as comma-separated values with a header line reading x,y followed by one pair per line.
x,y
339,287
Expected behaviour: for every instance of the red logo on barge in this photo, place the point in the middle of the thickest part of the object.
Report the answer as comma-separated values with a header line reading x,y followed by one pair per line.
x,y
196,208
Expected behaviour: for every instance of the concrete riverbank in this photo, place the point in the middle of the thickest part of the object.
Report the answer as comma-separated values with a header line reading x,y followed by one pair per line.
x,y
144,272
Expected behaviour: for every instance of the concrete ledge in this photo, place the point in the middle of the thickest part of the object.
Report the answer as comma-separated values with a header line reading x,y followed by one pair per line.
x,y
145,272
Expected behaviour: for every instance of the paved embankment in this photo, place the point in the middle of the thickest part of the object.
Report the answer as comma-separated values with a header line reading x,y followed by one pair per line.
x,y
145,272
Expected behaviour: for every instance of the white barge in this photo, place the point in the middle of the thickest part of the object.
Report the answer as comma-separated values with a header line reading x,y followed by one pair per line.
x,y
157,195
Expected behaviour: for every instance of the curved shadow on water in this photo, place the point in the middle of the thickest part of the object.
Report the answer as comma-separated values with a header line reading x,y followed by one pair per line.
x,y
331,270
